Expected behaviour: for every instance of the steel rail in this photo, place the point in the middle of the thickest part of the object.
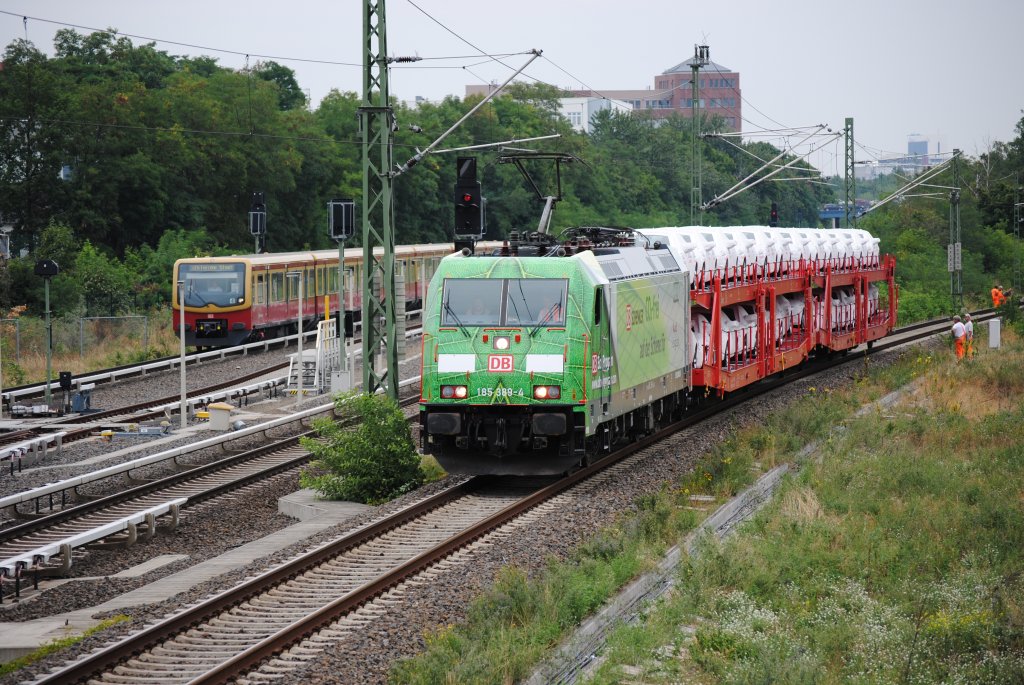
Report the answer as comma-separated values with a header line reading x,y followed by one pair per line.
x,y
123,411
159,487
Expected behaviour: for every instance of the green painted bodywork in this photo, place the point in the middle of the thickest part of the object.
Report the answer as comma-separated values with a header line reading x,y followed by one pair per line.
x,y
606,358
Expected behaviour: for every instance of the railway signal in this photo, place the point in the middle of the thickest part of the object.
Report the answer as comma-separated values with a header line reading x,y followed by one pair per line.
x,y
774,221
341,225
341,221
469,223
47,268
258,221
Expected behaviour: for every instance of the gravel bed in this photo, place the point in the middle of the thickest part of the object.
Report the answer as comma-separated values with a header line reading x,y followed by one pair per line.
x,y
400,631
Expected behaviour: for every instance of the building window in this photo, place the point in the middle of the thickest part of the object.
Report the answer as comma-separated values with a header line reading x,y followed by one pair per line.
x,y
576,119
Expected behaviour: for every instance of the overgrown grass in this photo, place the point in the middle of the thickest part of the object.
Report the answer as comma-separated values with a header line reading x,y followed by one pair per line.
x,y
105,348
515,625
432,471
896,558
58,645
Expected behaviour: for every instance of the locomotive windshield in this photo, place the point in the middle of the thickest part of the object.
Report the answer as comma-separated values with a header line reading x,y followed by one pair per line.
x,y
217,285
504,302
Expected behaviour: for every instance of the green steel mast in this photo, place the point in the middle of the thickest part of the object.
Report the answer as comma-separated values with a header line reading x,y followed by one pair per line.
x,y
377,121
851,180
956,281
1017,219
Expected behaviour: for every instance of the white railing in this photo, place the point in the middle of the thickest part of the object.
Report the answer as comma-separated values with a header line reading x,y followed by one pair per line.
x,y
34,449
41,555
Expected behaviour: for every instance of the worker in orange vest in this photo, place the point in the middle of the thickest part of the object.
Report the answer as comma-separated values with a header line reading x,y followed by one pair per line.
x,y
997,295
959,337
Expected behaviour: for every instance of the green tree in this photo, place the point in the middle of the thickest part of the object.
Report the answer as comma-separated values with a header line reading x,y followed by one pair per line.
x,y
289,94
105,282
366,455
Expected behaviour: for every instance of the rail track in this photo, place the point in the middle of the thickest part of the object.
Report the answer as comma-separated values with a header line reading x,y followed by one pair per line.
x,y
132,411
270,623
200,484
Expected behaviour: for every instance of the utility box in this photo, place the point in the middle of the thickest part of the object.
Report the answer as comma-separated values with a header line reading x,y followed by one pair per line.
x,y
220,416
993,333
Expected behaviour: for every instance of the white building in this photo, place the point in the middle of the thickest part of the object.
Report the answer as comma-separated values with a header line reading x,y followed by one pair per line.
x,y
580,111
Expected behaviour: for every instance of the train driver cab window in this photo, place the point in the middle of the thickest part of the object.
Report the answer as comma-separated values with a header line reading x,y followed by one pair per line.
x,y
216,284
536,302
471,302
509,302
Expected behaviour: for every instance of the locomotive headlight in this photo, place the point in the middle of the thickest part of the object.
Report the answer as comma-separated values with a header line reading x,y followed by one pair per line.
x,y
454,392
547,392
501,342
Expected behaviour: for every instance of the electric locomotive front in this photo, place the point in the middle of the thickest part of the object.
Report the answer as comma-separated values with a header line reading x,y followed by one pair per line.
x,y
534,365
505,355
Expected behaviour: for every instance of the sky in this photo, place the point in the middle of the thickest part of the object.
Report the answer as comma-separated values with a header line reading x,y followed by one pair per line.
x,y
947,70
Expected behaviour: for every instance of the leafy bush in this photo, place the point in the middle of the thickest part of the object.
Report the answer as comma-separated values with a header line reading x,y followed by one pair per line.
x,y
366,455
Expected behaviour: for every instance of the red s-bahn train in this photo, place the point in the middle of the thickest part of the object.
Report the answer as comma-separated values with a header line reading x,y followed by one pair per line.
x,y
241,298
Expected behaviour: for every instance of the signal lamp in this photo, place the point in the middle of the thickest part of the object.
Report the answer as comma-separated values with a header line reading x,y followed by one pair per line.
x,y
501,342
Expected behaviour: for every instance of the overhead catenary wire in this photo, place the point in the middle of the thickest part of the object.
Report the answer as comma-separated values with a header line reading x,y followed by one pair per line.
x,y
748,152
926,176
196,132
227,51
743,184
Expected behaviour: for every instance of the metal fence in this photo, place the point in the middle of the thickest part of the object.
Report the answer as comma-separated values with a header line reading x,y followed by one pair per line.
x,y
69,335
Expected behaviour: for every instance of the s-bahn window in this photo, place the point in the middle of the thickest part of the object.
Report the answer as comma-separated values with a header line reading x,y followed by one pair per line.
x,y
218,284
277,287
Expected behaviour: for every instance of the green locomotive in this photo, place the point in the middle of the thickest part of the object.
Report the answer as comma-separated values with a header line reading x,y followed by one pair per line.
x,y
543,355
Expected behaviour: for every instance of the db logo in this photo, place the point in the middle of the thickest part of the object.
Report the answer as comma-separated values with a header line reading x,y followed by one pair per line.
x,y
499,362
629,317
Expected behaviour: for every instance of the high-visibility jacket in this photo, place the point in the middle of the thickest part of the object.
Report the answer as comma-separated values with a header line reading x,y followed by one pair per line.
x,y
997,297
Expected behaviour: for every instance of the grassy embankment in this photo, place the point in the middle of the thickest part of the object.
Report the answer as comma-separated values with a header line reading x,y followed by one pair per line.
x,y
894,556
